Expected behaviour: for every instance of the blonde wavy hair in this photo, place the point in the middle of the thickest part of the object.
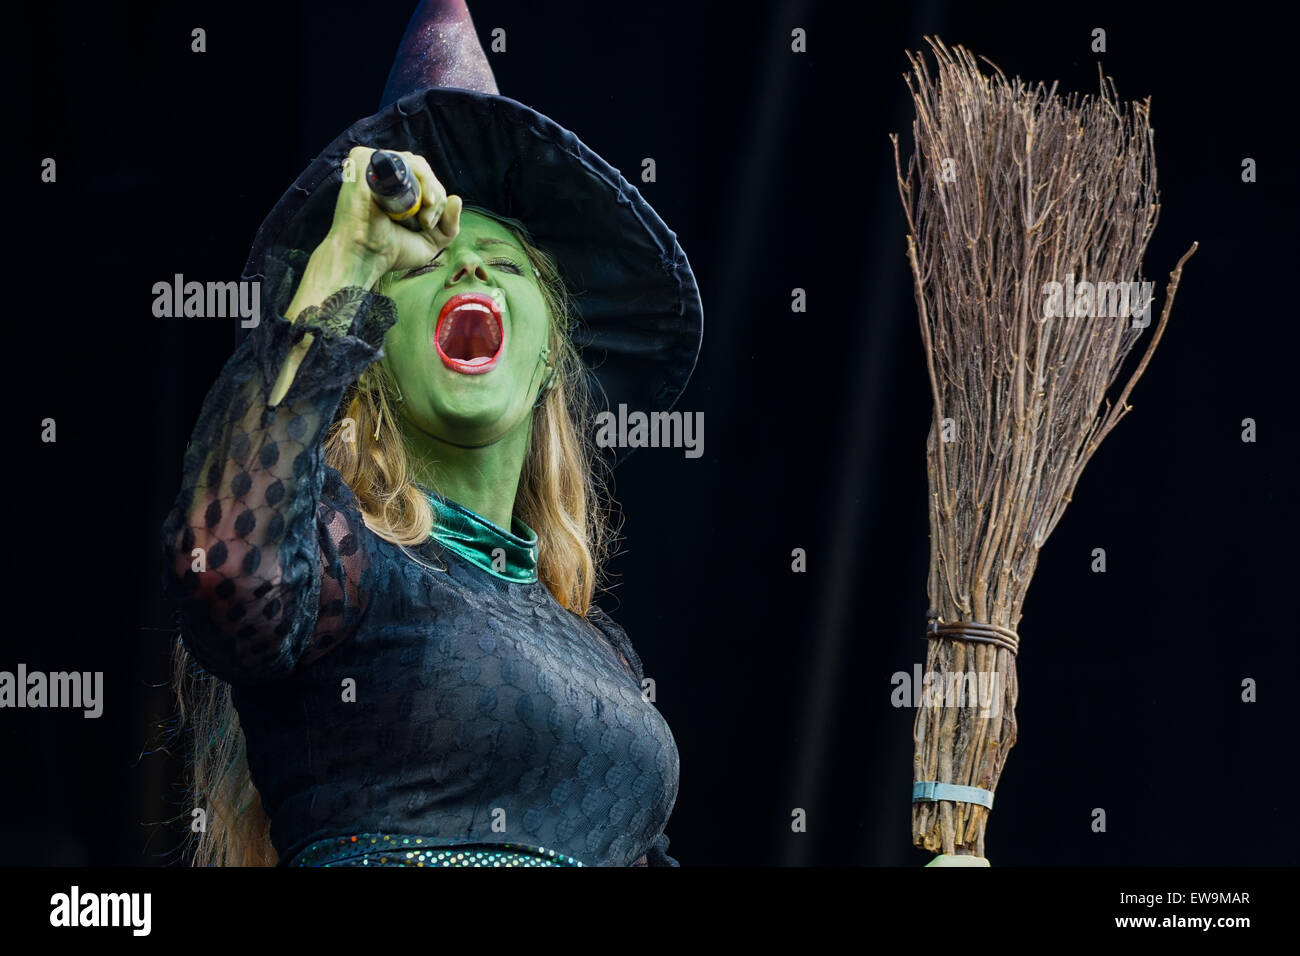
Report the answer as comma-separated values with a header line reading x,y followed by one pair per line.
x,y
563,496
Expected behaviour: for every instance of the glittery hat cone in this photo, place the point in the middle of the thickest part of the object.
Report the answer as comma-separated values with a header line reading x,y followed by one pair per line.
x,y
1016,198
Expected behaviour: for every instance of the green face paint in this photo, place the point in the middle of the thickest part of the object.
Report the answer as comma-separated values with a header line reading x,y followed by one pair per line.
x,y
501,313
468,394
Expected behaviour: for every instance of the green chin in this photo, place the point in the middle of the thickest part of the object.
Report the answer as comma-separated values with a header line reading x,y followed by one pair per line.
x,y
472,410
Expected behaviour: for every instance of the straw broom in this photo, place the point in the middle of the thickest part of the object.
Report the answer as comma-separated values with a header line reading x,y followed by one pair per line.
x,y
1011,187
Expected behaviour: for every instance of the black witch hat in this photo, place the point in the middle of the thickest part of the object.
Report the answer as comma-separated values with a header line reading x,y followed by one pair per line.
x,y
640,319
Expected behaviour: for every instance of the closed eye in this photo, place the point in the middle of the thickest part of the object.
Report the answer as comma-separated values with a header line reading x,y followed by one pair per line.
x,y
421,270
508,264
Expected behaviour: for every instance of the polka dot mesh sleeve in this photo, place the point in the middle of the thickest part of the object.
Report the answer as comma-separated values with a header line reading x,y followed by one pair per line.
x,y
264,550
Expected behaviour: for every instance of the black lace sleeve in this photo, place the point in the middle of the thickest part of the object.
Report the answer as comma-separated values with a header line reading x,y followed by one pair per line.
x,y
264,549
657,853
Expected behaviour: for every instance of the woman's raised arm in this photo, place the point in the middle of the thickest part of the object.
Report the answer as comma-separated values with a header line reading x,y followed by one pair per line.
x,y
264,549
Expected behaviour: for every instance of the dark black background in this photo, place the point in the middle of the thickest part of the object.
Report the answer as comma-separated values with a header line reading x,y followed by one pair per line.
x,y
775,171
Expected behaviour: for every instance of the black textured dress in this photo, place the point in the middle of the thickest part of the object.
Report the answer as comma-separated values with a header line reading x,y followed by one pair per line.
x,y
400,707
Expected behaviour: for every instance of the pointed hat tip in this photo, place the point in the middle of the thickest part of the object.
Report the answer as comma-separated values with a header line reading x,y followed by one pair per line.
x,y
439,48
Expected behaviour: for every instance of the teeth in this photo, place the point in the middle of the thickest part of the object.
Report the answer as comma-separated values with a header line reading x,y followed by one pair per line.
x,y
450,322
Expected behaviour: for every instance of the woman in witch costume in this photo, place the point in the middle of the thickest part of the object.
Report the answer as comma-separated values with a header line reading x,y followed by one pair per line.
x,y
390,528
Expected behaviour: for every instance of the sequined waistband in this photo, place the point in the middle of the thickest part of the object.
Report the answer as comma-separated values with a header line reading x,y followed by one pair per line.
x,y
401,849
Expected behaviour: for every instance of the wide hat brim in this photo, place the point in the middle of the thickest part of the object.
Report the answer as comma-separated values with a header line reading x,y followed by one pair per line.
x,y
638,310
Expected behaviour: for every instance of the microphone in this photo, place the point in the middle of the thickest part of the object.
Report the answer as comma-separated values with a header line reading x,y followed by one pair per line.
x,y
394,188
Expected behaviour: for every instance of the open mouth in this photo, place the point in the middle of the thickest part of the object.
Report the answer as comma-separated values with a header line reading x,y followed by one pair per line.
x,y
469,335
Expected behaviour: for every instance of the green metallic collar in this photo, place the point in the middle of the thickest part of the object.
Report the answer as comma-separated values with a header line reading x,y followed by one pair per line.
x,y
502,554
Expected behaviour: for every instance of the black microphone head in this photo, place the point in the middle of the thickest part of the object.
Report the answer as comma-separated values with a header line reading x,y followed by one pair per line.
x,y
386,173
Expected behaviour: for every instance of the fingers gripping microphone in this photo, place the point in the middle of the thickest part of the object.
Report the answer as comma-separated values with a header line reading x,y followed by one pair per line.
x,y
395,188
397,191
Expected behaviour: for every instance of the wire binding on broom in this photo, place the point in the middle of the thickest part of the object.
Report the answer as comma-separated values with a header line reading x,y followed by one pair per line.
x,y
975,633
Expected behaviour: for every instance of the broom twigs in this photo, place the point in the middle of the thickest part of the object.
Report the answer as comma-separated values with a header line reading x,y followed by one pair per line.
x,y
1011,190
1122,408
1111,418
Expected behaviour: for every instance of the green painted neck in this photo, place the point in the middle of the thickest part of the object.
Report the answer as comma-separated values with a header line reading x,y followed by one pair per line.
x,y
508,555
484,479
